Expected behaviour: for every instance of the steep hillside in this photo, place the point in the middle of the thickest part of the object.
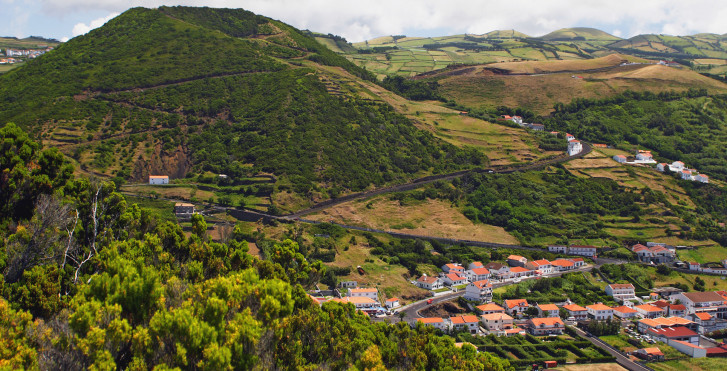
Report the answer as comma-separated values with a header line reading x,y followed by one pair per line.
x,y
193,91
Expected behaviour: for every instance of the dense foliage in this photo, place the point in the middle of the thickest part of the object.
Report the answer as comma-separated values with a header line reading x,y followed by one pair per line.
x,y
412,89
573,286
231,91
690,127
89,281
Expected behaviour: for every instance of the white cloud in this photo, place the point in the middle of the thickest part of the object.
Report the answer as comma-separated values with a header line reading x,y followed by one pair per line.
x,y
358,20
82,28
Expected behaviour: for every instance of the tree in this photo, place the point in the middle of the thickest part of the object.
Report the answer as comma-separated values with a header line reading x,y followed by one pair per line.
x,y
199,226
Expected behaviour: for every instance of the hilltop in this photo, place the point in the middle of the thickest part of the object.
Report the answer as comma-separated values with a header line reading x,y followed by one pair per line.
x,y
196,92
579,33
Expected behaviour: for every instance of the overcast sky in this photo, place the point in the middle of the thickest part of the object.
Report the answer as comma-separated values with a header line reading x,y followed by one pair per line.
x,y
359,20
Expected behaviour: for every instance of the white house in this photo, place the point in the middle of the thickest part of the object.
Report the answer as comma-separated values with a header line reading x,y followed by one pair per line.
x,y
569,137
576,311
497,268
621,291
497,321
655,253
701,178
661,167
619,158
516,307
577,262
158,179
475,265
625,312
372,293
545,326
454,279
392,303
430,283
516,261
541,265
558,249
480,291
477,274
600,311
645,157
649,311
583,250
516,272
561,265
490,308
676,166
574,147
467,322
548,310
686,174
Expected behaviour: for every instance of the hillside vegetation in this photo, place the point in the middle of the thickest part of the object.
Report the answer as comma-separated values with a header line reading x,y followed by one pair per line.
x,y
187,92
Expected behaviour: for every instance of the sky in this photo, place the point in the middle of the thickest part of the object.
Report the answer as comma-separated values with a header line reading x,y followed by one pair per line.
x,y
359,20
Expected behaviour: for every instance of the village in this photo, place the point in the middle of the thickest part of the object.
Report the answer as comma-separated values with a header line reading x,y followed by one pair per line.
x,y
13,54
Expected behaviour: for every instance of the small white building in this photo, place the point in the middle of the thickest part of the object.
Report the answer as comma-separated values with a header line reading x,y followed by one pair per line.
x,y
645,157
497,321
576,311
516,261
453,268
541,265
574,147
625,312
475,265
701,178
686,174
467,322
516,307
392,303
569,137
158,179
558,249
548,310
583,250
454,279
662,167
477,274
619,158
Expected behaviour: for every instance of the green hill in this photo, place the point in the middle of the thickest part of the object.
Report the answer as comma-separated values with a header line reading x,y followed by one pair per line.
x,y
503,34
579,33
194,91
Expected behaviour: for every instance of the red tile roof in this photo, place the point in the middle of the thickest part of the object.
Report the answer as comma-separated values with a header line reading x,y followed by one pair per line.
x,y
519,270
547,307
621,286
574,308
455,277
673,332
598,307
490,307
516,303
550,322
482,284
624,309
430,320
480,271
464,319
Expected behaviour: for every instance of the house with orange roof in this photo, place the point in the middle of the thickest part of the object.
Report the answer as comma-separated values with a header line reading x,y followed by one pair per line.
x,y
475,265
709,301
360,302
644,157
490,308
516,261
655,253
701,178
469,323
369,292
577,262
497,321
453,268
516,307
650,354
649,311
477,274
645,324
686,174
574,147
497,269
569,137
562,265
392,303
621,291
548,310
545,326
454,279
707,323
158,179
600,311
436,322
517,272
576,311
479,291
662,167
625,312
541,265
429,283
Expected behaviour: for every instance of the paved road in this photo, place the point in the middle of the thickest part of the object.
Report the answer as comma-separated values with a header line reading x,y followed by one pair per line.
x,y
620,358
